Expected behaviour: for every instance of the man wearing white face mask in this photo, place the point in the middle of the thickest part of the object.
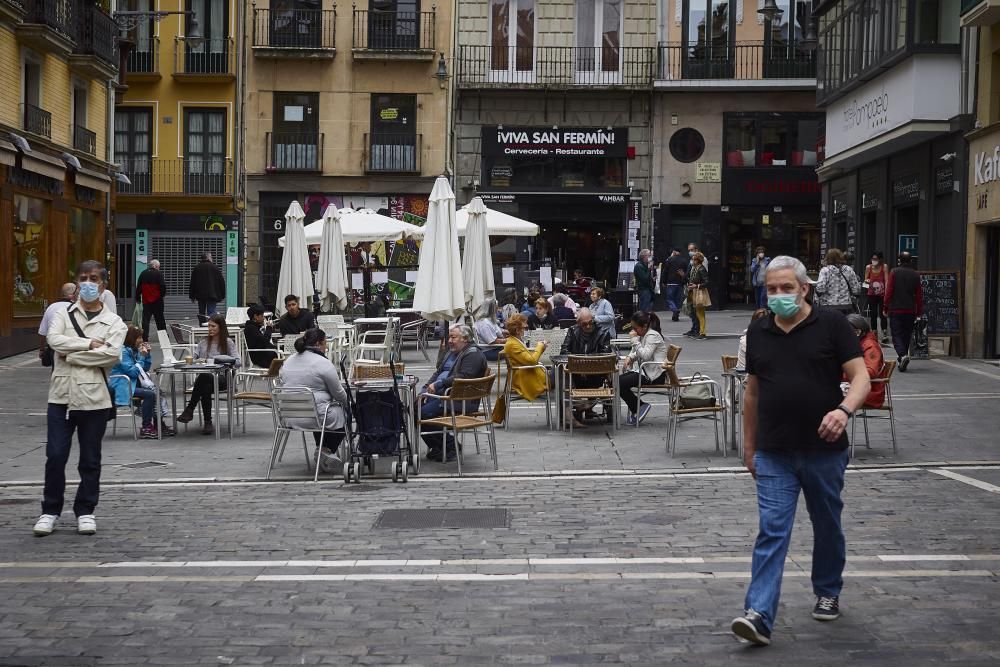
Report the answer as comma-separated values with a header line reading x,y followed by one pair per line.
x,y
795,439
87,340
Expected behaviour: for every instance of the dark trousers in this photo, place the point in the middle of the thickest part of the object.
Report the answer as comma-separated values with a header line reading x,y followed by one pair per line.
x,y
150,311
89,426
331,439
902,329
875,314
645,300
205,310
202,393
629,381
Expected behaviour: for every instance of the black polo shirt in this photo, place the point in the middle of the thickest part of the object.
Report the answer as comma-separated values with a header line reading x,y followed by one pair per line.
x,y
798,379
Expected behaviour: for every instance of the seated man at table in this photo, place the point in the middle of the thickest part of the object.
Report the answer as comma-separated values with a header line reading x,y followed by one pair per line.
x,y
463,361
295,320
585,337
258,337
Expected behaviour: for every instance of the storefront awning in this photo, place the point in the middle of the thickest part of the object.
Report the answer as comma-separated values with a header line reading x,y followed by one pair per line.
x,y
93,179
8,154
44,165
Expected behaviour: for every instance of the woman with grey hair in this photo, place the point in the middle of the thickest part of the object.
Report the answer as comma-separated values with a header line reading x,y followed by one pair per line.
x,y
560,311
488,332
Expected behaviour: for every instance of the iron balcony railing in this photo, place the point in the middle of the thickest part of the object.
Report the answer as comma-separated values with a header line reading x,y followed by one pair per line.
x,y
37,121
393,153
56,14
84,140
745,61
294,151
214,56
555,66
144,58
294,28
18,5
97,34
376,30
188,176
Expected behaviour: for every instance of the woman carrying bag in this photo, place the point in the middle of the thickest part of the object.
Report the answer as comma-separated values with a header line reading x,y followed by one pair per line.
x,y
698,297
838,285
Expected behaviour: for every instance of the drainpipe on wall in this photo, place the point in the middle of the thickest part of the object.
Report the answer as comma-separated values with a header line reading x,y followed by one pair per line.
x,y
109,156
239,132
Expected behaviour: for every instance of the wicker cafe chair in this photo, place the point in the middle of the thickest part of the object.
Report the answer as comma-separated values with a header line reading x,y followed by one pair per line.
x,y
678,384
509,395
375,371
598,365
458,420
290,403
673,351
884,377
261,398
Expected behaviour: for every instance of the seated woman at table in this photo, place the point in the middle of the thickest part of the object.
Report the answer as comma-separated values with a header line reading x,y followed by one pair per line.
x,y
871,352
528,307
217,344
135,364
488,332
647,345
311,368
560,311
528,383
741,354
542,318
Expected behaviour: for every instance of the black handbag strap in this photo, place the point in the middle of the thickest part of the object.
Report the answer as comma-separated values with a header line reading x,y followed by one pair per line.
x,y
847,282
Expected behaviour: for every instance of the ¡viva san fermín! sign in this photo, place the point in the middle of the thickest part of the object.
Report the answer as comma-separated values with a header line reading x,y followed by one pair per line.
x,y
555,142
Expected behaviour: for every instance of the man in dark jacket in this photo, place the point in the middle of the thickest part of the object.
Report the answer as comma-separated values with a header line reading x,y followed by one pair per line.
x,y
207,287
295,320
585,337
152,289
674,279
258,337
903,303
463,361
644,281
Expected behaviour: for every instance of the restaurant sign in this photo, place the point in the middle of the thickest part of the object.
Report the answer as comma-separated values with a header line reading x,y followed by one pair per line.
x,y
554,141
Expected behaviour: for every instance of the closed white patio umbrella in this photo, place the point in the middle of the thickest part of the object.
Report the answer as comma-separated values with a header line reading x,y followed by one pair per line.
x,y
439,294
497,223
295,276
477,263
361,225
331,283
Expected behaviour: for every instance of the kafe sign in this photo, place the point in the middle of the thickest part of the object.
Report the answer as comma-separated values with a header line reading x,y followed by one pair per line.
x,y
986,167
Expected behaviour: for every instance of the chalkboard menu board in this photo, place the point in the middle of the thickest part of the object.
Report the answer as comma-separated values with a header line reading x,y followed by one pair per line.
x,y
942,302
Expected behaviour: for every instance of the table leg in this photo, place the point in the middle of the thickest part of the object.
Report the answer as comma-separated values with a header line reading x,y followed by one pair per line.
x,y
173,400
215,395
732,411
156,410
231,406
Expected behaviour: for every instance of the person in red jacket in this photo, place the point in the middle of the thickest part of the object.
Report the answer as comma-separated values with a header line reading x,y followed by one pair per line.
x,y
871,352
904,303
152,289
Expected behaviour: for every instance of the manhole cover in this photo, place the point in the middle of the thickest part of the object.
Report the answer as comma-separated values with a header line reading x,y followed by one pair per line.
x,y
144,464
359,488
493,517
17,501
660,519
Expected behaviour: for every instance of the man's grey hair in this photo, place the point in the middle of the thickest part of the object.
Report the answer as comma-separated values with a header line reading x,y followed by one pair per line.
x,y
584,311
155,264
644,253
68,290
88,265
464,331
206,257
783,262
559,299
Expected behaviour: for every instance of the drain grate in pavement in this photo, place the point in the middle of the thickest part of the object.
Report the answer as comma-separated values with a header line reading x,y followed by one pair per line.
x,y
358,488
660,519
144,464
17,501
492,517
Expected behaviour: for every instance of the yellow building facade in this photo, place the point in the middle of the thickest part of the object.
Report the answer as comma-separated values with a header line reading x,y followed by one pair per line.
x,y
58,59
176,139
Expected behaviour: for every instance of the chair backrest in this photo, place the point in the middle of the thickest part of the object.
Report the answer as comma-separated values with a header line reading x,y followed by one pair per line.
x,y
592,364
566,324
375,371
673,352
179,333
287,343
553,338
236,315
322,320
672,378
471,389
275,367
293,403
729,362
888,368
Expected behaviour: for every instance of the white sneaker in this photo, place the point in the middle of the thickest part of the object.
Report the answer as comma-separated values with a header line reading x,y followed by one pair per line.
x,y
329,462
45,525
86,524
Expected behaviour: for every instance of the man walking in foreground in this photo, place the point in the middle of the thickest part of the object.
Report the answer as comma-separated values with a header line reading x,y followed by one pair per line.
x,y
795,424
207,287
87,339
903,303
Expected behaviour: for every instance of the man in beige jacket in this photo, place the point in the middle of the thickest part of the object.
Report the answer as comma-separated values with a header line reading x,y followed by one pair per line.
x,y
78,397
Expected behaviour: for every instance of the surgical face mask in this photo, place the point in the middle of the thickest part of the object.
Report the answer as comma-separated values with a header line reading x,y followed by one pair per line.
x,y
784,305
89,292
690,253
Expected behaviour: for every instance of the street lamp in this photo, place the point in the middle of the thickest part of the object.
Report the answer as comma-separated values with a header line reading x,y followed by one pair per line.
x,y
809,42
130,20
770,10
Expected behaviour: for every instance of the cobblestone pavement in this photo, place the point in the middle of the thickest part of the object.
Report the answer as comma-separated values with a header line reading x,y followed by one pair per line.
x,y
639,570
946,412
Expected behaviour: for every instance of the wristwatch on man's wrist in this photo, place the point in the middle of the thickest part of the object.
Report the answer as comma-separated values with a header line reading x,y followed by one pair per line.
x,y
843,408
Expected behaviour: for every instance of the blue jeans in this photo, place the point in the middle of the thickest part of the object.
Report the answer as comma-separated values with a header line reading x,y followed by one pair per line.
x,y
205,310
89,426
760,296
148,397
675,297
780,477
645,300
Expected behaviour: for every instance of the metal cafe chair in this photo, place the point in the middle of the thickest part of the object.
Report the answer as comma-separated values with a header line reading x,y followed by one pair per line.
x,y
673,351
509,395
458,420
294,403
598,365
130,406
679,412
863,412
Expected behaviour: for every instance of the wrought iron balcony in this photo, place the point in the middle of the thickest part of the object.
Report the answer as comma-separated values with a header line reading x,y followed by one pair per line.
x,y
12,9
190,176
394,34
37,120
292,33
211,58
393,153
84,140
144,58
55,14
97,38
740,61
298,151
555,67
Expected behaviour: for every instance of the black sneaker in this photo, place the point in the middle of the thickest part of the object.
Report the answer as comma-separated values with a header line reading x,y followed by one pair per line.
x,y
676,317
750,626
826,609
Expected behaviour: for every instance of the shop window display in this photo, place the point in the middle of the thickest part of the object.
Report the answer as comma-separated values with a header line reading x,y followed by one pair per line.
x,y
84,240
29,256
741,142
